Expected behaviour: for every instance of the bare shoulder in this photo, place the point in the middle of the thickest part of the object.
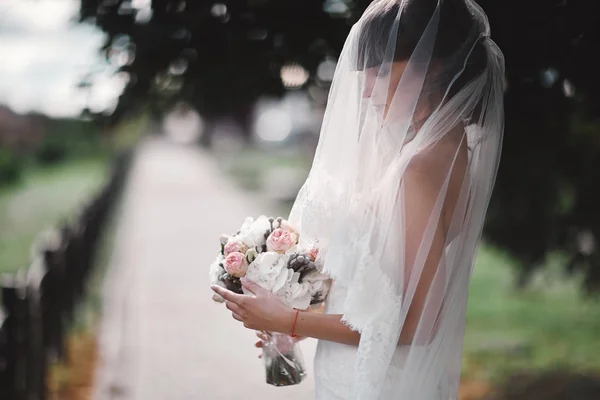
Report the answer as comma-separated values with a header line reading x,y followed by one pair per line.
x,y
442,165
439,158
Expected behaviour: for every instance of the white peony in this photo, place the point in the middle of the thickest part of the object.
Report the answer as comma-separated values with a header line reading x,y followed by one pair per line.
x,y
318,284
252,232
295,294
269,271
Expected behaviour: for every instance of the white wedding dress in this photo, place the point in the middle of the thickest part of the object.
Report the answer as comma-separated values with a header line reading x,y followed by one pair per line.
x,y
335,362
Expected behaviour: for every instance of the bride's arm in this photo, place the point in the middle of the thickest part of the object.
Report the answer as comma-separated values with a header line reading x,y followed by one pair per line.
x,y
432,185
264,312
426,272
327,327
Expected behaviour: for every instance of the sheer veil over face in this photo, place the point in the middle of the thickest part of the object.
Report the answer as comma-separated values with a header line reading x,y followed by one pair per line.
x,y
400,184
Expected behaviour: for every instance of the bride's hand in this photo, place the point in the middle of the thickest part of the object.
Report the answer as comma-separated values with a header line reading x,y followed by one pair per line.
x,y
261,311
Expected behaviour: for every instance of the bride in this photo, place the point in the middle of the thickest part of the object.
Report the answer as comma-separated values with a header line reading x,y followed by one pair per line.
x,y
396,200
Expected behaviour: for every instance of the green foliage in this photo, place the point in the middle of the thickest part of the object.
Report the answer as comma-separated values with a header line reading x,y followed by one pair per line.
x,y
44,197
129,131
546,325
10,167
66,139
219,60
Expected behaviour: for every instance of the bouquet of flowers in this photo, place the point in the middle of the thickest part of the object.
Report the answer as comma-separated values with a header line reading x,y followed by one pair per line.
x,y
265,251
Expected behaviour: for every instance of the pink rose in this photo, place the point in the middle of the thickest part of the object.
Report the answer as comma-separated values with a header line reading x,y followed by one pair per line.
x,y
313,253
234,246
285,225
235,264
281,240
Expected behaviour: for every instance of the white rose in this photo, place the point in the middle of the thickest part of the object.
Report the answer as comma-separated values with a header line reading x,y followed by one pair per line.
x,y
216,270
224,239
251,255
261,222
247,224
269,270
248,240
252,233
260,227
286,225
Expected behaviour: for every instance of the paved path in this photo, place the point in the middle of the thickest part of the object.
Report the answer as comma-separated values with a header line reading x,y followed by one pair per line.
x,y
162,337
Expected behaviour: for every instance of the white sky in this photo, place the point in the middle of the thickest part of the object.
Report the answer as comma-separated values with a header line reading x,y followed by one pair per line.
x,y
44,54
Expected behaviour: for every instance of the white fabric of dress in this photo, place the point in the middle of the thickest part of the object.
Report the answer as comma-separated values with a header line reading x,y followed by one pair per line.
x,y
335,362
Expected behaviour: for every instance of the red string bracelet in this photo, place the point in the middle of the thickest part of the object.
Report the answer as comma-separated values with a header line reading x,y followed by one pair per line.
x,y
294,324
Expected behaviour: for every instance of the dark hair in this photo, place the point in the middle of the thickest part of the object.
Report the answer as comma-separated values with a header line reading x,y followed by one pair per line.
x,y
459,37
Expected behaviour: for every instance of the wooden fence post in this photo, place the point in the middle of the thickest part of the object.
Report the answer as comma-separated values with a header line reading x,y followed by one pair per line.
x,y
14,379
37,305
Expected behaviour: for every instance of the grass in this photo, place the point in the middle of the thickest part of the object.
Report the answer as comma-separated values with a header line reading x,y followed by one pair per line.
x,y
43,198
129,132
547,325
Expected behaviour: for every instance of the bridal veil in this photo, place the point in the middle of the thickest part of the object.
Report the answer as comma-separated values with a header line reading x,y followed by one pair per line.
x,y
400,184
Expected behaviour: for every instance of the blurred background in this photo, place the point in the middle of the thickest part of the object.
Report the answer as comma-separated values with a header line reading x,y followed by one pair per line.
x,y
114,108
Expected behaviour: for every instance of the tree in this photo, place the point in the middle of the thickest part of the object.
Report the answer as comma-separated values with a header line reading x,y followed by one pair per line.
x,y
222,56
218,56
545,199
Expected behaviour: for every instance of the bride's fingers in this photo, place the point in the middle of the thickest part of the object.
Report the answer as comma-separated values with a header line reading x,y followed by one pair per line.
x,y
233,307
259,344
262,335
237,317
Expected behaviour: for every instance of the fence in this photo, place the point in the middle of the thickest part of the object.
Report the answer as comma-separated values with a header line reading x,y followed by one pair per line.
x,y
39,303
